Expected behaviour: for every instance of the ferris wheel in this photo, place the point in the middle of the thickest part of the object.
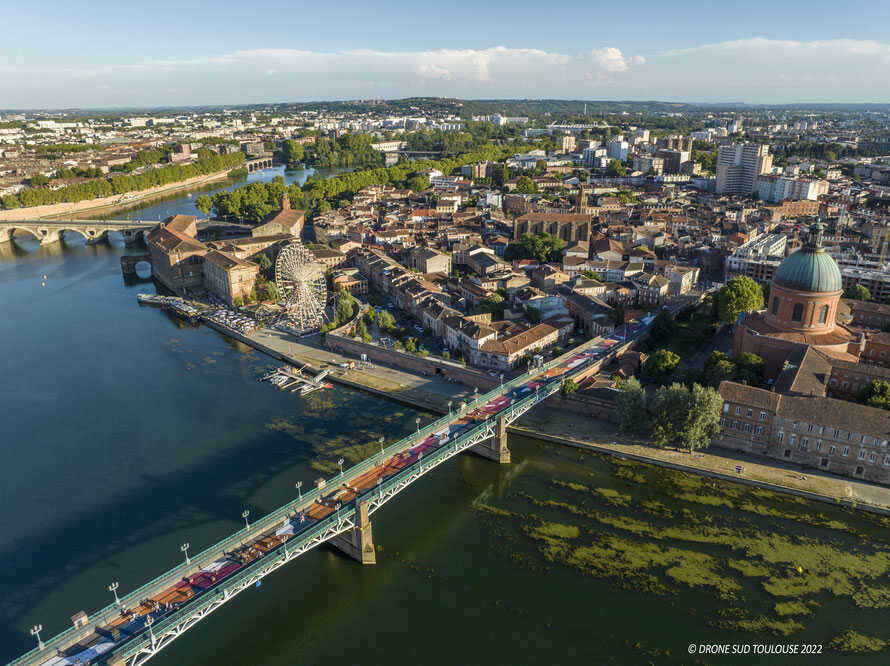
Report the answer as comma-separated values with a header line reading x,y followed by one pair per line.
x,y
301,282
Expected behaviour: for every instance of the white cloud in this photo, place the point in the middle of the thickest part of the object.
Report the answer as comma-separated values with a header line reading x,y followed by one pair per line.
x,y
757,69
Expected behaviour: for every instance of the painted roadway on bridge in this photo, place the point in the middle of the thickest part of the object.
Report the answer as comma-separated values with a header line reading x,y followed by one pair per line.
x,y
133,621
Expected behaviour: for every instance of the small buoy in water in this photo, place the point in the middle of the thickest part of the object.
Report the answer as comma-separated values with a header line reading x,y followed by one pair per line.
x,y
44,277
43,284
799,569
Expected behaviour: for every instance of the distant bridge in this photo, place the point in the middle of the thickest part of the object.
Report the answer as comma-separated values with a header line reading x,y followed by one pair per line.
x,y
259,163
52,231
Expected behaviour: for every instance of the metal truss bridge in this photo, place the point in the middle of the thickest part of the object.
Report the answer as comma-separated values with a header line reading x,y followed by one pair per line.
x,y
148,619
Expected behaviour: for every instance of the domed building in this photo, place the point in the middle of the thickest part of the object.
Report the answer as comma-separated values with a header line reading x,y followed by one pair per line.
x,y
802,310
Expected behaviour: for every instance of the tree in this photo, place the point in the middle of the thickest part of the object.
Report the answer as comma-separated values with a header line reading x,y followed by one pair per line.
x,y
204,204
361,329
418,182
525,185
493,304
875,394
293,152
859,293
385,321
345,306
592,275
661,364
618,314
741,294
569,386
686,417
411,345
633,414
663,327
749,368
615,169
671,406
702,417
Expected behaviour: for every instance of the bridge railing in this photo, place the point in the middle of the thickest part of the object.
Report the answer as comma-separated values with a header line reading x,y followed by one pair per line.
x,y
268,521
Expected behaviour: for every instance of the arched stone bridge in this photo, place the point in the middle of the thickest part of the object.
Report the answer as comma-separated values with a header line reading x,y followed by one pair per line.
x,y
260,163
52,231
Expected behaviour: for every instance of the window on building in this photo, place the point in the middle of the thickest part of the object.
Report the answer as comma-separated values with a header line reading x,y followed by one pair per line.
x,y
738,410
725,406
759,430
781,436
763,416
792,440
749,413
775,306
823,314
747,427
872,456
832,450
787,453
797,314
887,461
734,425
722,422
818,444
846,451
862,453
823,462
859,469
811,428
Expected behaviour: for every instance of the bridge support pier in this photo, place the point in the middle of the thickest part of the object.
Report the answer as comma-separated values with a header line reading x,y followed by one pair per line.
x,y
97,238
358,542
5,235
132,238
49,236
496,447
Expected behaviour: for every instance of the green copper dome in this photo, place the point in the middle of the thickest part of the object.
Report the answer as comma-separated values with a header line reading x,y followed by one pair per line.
x,y
810,268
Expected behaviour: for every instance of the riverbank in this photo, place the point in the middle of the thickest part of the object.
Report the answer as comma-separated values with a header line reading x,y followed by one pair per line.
x,y
108,205
425,392
551,424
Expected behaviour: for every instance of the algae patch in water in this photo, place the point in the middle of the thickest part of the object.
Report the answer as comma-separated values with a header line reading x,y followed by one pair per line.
x,y
852,641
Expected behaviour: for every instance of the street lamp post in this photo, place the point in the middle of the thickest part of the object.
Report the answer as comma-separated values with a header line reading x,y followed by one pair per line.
x,y
340,463
339,521
35,631
417,423
244,515
420,460
449,407
149,620
113,589
380,441
185,549
502,380
299,492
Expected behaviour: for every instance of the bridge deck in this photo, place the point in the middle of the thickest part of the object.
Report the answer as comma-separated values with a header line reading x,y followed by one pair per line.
x,y
176,600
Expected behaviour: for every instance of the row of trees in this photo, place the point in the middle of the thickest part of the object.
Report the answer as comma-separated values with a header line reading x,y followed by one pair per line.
x,y
350,150
121,183
675,416
253,202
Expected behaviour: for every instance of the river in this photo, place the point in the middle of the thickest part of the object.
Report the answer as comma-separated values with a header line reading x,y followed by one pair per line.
x,y
128,432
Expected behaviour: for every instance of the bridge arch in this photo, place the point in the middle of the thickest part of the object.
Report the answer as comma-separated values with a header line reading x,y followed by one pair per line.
x,y
29,230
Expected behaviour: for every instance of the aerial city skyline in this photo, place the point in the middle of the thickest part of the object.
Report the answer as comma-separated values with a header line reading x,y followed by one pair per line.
x,y
515,334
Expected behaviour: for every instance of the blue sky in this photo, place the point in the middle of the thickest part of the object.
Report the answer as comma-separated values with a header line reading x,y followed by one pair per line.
x,y
102,53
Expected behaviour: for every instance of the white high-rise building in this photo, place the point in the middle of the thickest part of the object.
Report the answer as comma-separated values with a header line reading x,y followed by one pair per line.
x,y
739,165
779,188
618,149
